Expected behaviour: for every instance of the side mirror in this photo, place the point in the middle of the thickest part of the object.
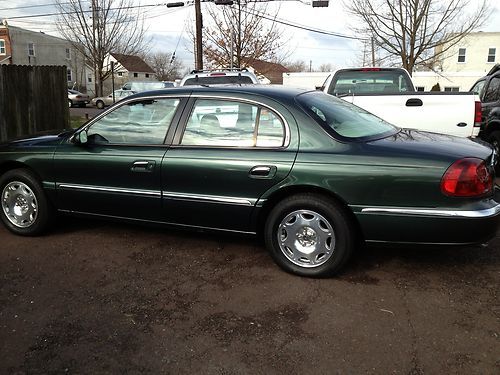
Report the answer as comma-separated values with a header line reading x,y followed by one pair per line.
x,y
82,137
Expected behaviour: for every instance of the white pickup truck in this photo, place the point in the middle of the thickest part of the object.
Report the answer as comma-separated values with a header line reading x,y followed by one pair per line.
x,y
389,93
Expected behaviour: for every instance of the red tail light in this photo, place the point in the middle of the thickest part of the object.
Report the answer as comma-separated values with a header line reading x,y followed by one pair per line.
x,y
468,177
370,69
477,114
78,96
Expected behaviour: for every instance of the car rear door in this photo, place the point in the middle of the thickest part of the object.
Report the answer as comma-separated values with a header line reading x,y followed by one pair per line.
x,y
226,153
117,172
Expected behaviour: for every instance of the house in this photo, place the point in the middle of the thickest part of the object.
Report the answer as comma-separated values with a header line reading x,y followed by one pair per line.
x,y
266,71
25,47
130,68
460,66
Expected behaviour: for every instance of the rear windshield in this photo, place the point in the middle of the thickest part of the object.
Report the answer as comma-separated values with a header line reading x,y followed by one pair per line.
x,y
342,119
217,80
369,82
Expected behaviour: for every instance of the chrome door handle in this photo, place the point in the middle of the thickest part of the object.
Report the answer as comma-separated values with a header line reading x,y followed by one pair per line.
x,y
263,171
143,166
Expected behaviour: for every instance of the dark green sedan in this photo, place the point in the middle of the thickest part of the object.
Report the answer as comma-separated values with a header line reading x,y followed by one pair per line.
x,y
314,175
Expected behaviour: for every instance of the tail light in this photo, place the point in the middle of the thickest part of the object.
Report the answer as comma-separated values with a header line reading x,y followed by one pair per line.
x,y
468,177
477,114
78,96
370,69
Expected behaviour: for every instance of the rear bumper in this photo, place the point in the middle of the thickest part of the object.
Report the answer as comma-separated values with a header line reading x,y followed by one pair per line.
x,y
429,225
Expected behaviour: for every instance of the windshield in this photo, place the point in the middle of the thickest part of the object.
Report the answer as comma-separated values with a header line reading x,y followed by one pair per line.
x,y
369,82
344,120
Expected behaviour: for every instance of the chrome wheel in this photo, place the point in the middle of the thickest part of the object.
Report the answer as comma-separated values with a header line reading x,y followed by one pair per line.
x,y
19,204
306,238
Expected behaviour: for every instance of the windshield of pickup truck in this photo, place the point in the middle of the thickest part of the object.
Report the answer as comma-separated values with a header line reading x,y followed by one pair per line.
x,y
344,120
370,82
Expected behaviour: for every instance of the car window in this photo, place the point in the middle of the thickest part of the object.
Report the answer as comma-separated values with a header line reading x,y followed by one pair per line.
x,y
342,118
492,93
229,123
140,122
367,81
478,88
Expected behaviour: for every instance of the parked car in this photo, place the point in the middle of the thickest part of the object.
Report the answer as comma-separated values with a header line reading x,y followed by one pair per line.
x,y
219,77
103,101
311,173
488,89
390,94
77,99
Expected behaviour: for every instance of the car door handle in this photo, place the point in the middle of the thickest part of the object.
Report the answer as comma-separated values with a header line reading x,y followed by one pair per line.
x,y
263,171
143,166
414,102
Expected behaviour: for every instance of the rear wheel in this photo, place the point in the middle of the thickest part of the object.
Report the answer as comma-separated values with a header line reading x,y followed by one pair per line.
x,y
25,208
99,104
309,235
70,103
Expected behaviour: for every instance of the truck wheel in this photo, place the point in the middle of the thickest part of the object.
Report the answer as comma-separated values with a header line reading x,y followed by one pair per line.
x,y
309,235
25,208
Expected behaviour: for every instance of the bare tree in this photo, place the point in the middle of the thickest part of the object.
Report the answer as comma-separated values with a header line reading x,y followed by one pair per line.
x,y
240,31
295,66
105,27
166,67
326,67
416,32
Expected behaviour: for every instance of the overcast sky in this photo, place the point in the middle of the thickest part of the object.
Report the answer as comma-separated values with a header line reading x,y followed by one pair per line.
x,y
168,28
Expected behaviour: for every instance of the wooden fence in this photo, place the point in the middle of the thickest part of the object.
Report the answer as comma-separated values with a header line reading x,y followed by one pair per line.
x,y
32,99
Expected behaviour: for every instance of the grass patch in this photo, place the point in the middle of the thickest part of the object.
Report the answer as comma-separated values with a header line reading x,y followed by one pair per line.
x,y
76,121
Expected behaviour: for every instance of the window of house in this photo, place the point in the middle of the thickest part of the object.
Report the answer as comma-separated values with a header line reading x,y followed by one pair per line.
x,y
142,122
136,75
461,55
68,53
89,79
226,123
451,88
420,88
120,74
491,55
69,75
147,75
31,49
2,47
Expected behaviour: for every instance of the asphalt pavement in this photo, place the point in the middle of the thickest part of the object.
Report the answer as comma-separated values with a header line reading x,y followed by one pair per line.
x,y
95,297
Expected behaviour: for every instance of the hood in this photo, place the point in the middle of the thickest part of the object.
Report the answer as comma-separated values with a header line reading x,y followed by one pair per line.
x,y
420,145
45,138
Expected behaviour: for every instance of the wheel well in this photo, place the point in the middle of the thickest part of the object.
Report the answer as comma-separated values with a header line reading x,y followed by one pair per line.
x,y
279,195
492,126
10,165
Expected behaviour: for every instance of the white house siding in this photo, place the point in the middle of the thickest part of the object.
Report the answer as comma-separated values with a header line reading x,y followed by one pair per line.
x,y
452,73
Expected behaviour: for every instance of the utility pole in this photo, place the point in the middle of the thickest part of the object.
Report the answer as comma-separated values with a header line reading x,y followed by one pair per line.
x,y
373,51
199,25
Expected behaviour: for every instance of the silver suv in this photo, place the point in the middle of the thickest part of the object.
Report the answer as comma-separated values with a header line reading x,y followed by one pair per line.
x,y
219,77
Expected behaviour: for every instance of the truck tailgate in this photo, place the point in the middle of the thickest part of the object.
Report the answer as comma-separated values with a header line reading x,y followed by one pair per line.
x,y
447,113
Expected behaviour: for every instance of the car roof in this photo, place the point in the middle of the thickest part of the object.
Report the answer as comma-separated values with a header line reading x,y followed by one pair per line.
x,y
273,91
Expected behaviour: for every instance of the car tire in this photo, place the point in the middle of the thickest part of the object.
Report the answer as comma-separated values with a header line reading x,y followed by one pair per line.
x,y
494,140
309,235
25,209
70,103
99,104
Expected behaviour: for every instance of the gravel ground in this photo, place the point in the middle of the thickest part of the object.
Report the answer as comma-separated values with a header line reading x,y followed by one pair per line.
x,y
96,297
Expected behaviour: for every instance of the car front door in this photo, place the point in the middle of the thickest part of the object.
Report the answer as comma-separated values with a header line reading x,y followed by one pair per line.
x,y
116,172
226,154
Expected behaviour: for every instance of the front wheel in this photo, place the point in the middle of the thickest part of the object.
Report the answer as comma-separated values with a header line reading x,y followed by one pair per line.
x,y
99,104
309,235
25,208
